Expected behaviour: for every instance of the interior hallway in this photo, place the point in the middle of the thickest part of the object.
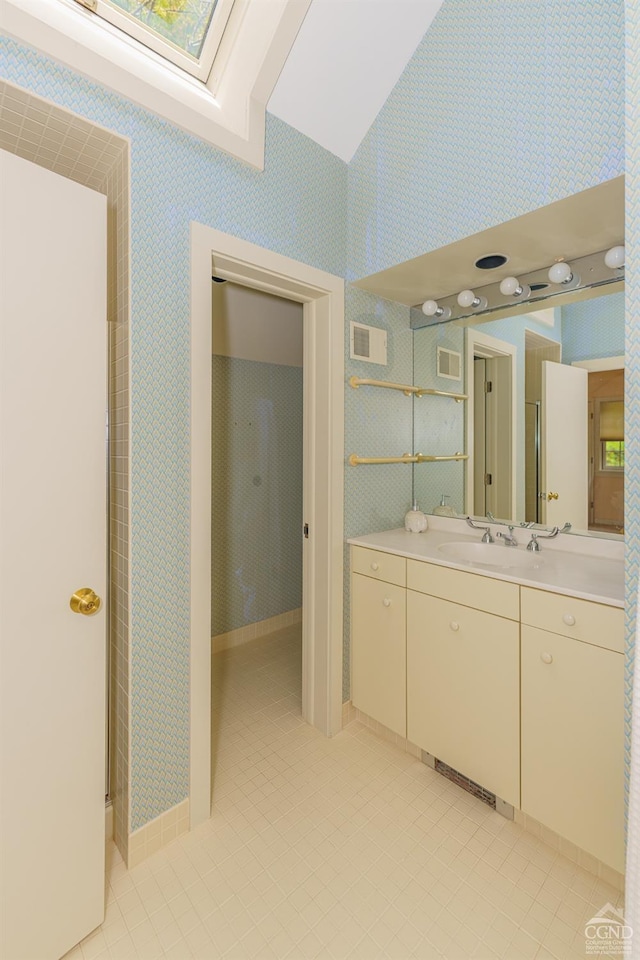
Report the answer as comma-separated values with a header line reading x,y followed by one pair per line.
x,y
343,848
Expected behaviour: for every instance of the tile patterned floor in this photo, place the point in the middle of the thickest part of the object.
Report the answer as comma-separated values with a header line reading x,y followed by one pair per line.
x,y
336,849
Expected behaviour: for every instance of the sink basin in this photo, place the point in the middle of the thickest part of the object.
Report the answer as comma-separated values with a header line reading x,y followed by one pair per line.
x,y
490,555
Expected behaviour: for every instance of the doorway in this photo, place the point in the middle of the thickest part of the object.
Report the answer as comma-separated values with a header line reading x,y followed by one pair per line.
x,y
491,425
214,253
257,518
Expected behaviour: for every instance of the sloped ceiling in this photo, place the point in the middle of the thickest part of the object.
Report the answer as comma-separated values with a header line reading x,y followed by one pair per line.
x,y
346,59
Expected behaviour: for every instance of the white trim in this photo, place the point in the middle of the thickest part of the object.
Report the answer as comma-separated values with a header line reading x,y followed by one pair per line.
x,y
227,112
323,297
602,363
481,344
254,631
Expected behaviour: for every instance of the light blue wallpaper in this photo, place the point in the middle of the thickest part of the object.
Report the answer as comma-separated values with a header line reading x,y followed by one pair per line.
x,y
503,108
439,423
632,344
256,502
296,207
378,423
593,328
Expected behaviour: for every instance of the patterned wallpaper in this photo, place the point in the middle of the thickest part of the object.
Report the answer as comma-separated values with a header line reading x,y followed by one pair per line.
x,y
296,207
495,115
593,328
256,492
503,108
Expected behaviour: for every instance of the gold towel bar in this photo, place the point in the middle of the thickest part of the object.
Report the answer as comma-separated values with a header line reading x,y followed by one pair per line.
x,y
355,460
406,388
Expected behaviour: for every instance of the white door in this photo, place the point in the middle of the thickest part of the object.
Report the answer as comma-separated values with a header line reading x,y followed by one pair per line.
x,y
564,445
53,340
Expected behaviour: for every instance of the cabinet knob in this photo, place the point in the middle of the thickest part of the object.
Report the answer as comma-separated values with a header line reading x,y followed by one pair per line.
x,y
546,657
386,602
569,619
375,566
455,626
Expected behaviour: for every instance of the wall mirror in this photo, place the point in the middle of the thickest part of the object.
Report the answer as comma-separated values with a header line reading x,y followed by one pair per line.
x,y
543,369
544,422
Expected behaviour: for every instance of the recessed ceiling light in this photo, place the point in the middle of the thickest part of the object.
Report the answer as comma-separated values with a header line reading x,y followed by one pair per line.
x,y
491,260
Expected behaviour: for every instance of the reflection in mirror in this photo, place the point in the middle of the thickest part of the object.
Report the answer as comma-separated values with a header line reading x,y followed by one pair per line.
x,y
544,422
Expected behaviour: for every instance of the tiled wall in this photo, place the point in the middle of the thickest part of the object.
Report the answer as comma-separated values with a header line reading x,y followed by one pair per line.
x,y
296,207
256,492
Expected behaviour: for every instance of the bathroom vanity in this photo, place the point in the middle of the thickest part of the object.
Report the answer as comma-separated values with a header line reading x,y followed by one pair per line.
x,y
505,664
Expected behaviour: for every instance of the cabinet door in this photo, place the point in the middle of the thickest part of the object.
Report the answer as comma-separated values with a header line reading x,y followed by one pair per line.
x,y
379,651
463,691
573,741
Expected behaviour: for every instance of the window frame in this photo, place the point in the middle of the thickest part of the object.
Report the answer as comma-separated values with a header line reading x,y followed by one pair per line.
x,y
227,112
199,67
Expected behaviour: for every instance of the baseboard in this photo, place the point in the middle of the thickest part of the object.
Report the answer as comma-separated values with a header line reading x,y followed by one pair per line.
x,y
379,728
108,822
252,631
158,833
567,849
570,851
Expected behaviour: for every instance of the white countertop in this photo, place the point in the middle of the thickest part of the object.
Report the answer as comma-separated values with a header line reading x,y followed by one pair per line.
x,y
582,570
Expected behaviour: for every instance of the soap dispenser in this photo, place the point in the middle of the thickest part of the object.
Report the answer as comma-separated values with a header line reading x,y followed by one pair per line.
x,y
443,509
415,521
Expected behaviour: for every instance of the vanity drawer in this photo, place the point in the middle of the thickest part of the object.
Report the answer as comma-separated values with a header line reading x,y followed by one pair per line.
x,y
470,589
584,620
379,565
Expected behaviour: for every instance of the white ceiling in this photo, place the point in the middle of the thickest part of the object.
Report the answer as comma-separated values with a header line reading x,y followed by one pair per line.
x,y
347,57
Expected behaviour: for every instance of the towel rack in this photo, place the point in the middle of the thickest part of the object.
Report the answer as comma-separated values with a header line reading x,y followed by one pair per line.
x,y
405,388
355,460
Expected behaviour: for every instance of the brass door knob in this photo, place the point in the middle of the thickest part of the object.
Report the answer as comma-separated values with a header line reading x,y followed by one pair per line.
x,y
552,496
85,601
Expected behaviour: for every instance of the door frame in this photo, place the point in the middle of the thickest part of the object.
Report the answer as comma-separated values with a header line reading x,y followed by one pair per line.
x,y
481,344
322,295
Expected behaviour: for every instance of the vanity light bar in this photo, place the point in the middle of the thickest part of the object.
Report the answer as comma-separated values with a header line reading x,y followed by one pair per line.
x,y
583,273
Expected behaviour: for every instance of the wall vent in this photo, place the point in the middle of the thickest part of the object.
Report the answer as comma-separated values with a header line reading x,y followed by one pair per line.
x,y
449,364
368,343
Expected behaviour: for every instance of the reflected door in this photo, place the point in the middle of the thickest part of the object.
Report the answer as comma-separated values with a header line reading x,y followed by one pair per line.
x,y
564,442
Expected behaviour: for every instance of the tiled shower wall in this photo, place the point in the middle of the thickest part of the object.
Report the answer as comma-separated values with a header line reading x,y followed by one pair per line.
x,y
256,492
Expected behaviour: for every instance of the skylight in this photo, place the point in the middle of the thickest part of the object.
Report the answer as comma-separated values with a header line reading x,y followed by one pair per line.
x,y
186,32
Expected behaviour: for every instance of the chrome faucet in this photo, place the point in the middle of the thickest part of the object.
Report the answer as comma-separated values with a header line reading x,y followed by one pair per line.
x,y
533,544
487,538
509,539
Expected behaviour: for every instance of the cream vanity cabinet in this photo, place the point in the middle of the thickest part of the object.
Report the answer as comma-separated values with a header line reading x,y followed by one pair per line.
x,y
519,689
573,720
378,637
463,663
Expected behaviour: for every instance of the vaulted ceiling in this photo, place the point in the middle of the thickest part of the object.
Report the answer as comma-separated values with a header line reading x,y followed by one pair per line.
x,y
346,59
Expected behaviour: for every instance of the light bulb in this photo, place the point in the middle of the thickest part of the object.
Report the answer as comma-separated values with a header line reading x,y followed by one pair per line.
x,y
560,273
467,298
431,308
615,257
511,287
